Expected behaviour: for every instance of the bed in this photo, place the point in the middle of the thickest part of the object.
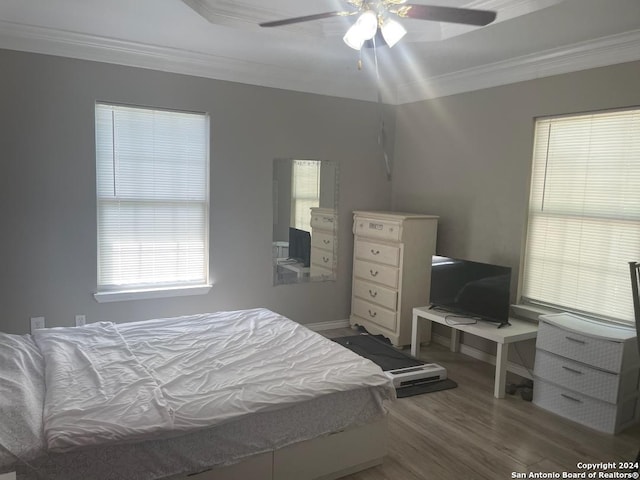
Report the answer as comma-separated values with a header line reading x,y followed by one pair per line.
x,y
242,394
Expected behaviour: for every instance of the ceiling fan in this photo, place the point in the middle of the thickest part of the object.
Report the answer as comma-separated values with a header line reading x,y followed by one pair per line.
x,y
376,17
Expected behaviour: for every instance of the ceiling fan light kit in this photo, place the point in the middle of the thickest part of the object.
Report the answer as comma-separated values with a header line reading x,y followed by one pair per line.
x,y
374,18
364,29
392,31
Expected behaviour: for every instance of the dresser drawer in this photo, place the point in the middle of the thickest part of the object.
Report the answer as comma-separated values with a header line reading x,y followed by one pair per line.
x,y
377,252
318,272
376,228
600,353
323,221
374,313
377,273
602,416
322,240
577,376
383,296
323,258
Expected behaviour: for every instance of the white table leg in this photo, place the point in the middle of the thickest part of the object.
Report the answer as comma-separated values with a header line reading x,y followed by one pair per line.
x,y
455,340
501,370
416,335
426,331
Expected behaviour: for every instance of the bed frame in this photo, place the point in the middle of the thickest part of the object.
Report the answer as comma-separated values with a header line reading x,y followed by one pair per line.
x,y
323,458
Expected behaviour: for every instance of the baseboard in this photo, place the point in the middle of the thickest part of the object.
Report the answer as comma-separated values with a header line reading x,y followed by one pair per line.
x,y
483,356
320,326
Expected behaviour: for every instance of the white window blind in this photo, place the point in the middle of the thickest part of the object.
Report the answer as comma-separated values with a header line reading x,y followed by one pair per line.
x,y
152,169
584,213
305,192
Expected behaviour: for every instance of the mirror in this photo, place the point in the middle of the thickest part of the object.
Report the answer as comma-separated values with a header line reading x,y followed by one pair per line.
x,y
305,220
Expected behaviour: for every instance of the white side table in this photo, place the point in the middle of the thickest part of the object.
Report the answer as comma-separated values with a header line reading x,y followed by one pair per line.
x,y
518,330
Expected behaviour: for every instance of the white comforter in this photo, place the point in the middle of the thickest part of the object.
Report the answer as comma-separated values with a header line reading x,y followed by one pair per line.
x,y
109,383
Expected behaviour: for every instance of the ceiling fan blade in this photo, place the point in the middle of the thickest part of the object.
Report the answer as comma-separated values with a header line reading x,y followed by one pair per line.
x,y
306,18
447,14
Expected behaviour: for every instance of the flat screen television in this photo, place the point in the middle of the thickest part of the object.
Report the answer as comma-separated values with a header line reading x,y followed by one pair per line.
x,y
300,246
471,289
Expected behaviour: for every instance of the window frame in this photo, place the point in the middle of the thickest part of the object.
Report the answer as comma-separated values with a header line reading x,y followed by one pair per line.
x,y
172,288
295,199
533,308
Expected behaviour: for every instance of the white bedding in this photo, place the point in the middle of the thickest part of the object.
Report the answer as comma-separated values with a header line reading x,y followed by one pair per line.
x,y
109,383
21,398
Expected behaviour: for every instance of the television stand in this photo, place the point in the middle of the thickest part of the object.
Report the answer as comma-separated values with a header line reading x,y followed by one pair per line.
x,y
519,330
297,267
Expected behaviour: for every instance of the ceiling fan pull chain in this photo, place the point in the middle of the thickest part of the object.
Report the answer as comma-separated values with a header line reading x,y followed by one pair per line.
x,y
382,136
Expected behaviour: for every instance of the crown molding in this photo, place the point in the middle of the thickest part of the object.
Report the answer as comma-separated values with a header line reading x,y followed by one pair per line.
x,y
28,38
611,50
601,52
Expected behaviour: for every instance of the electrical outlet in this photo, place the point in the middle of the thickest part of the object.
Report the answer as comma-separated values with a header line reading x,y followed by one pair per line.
x,y
37,323
80,320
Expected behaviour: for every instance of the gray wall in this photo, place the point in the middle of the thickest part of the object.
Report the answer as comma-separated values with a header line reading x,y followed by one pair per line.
x,y
467,157
47,187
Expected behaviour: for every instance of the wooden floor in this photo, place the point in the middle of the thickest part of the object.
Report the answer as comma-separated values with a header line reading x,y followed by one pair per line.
x,y
466,433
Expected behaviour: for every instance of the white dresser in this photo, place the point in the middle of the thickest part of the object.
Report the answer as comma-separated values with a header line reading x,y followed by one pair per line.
x,y
587,371
323,244
391,271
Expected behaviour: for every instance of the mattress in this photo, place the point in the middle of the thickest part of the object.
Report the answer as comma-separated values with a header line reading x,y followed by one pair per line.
x,y
212,389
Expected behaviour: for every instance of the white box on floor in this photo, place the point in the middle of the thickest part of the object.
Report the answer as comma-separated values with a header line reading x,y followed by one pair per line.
x,y
417,375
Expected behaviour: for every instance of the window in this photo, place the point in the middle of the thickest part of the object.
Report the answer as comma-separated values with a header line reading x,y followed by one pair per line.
x,y
152,169
305,192
584,213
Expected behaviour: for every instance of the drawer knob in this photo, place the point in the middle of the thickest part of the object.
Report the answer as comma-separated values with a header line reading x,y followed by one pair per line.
x,y
568,397
326,242
325,259
373,294
575,340
372,314
572,370
373,274
375,252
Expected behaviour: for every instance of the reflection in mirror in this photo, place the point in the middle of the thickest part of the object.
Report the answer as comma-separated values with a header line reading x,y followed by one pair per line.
x,y
305,206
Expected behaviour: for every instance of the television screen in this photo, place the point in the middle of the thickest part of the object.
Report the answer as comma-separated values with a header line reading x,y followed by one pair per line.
x,y
472,289
300,246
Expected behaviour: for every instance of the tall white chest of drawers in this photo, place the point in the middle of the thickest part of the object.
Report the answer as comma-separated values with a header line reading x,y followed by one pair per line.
x,y
587,371
391,271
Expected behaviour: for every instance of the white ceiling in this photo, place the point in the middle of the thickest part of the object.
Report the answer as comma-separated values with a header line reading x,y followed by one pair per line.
x,y
221,39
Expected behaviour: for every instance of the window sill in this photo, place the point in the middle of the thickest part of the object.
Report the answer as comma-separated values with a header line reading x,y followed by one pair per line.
x,y
144,294
533,312
530,312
